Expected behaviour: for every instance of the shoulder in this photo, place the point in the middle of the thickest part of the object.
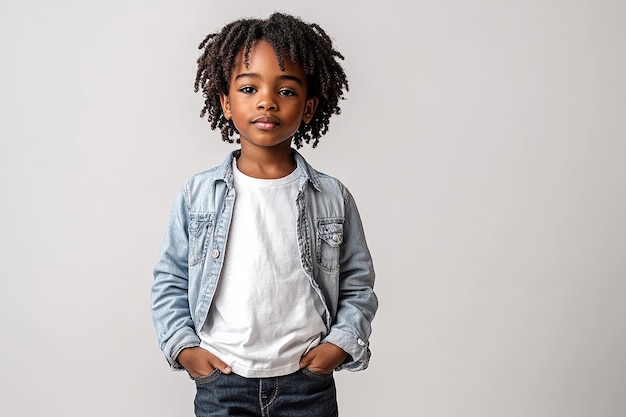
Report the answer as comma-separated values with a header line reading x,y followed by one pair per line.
x,y
203,177
321,182
202,182
329,189
201,191
330,183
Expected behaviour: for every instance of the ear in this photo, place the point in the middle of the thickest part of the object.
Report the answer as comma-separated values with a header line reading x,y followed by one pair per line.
x,y
309,109
225,102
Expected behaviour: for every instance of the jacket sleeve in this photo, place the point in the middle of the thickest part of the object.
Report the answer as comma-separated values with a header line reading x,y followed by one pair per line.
x,y
170,303
357,302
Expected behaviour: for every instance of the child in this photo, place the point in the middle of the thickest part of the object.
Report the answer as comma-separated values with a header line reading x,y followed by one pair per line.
x,y
263,286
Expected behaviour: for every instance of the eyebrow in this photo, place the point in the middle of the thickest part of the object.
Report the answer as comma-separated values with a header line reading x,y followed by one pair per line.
x,y
282,77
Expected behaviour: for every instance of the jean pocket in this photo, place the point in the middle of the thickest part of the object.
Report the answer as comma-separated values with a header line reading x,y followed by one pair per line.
x,y
200,227
328,245
205,379
316,375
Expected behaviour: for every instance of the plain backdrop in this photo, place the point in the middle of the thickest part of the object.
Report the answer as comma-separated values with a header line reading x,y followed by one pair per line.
x,y
484,143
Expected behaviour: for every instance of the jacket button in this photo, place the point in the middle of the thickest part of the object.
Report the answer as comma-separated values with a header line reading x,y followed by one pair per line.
x,y
361,342
215,253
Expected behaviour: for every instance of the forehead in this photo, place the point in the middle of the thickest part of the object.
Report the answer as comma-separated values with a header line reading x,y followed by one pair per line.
x,y
262,54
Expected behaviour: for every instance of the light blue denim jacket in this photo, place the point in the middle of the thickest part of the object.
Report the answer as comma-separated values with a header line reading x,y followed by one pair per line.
x,y
333,252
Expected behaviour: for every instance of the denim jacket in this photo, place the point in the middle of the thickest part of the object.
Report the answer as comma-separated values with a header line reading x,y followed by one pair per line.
x,y
333,254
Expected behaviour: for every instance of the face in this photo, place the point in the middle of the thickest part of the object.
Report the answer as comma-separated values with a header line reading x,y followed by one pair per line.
x,y
265,103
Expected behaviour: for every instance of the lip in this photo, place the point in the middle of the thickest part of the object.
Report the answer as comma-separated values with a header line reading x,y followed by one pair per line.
x,y
266,122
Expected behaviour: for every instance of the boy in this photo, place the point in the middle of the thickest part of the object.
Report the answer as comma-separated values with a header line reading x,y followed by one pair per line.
x,y
264,284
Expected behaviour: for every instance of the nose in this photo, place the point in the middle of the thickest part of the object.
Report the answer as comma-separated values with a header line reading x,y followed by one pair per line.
x,y
266,101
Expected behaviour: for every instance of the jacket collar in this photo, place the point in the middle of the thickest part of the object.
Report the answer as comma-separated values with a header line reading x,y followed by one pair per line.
x,y
307,172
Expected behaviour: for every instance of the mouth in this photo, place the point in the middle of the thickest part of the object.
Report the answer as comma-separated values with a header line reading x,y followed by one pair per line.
x,y
266,122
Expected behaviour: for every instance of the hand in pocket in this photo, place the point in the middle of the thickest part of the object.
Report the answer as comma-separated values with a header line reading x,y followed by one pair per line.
x,y
199,362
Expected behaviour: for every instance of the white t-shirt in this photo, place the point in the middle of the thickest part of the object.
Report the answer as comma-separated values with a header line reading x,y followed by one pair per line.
x,y
265,314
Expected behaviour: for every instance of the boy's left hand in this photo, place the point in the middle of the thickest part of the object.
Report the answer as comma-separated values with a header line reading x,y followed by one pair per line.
x,y
323,358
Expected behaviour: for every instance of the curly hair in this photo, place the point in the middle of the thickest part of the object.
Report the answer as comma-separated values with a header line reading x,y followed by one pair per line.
x,y
304,44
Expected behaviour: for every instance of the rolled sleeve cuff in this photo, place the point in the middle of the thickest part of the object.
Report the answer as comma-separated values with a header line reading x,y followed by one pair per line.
x,y
185,338
356,348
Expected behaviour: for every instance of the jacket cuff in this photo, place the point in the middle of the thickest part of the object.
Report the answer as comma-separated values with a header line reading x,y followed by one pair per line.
x,y
356,348
184,338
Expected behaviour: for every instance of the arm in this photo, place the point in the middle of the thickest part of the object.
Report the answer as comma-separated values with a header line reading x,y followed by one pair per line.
x,y
357,303
170,303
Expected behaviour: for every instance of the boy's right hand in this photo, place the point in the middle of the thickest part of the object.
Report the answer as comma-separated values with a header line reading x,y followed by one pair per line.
x,y
199,362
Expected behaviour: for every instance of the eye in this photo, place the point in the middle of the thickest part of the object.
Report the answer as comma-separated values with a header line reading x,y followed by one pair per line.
x,y
247,90
287,92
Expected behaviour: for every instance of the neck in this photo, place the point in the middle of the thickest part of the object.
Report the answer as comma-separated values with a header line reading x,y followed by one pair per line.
x,y
266,164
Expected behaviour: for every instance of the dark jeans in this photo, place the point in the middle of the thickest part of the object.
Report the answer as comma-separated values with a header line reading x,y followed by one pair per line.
x,y
301,394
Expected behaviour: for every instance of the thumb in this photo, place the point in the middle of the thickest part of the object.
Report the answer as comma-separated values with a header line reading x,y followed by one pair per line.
x,y
219,364
306,360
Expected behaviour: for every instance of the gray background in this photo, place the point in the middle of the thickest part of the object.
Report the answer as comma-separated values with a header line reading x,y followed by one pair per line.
x,y
484,143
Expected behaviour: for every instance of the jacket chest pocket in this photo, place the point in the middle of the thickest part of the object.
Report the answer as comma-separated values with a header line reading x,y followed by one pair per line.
x,y
200,228
328,245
